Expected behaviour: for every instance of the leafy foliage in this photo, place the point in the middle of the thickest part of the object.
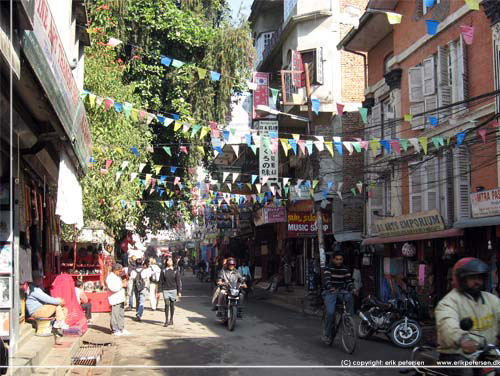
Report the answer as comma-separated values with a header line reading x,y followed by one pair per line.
x,y
197,32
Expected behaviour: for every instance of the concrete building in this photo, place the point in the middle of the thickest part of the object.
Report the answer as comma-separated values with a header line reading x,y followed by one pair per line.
x,y
42,123
289,34
446,84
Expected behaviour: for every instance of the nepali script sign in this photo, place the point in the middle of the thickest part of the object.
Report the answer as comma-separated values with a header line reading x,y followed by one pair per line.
x,y
268,163
485,203
427,221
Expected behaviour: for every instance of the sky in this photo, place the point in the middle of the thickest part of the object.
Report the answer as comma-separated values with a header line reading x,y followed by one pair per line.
x,y
235,6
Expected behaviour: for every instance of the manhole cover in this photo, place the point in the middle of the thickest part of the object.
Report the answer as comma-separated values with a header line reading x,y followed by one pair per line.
x,y
87,356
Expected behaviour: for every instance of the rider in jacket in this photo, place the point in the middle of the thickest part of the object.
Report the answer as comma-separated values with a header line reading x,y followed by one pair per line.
x,y
227,276
466,300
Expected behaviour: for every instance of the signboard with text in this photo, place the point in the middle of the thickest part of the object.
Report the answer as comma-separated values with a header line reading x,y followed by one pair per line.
x,y
264,216
485,203
268,163
304,224
261,94
427,221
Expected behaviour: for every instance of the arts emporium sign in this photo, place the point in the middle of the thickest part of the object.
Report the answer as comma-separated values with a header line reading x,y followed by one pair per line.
x,y
422,222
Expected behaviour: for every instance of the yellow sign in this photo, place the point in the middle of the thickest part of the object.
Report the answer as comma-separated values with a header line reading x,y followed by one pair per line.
x,y
428,221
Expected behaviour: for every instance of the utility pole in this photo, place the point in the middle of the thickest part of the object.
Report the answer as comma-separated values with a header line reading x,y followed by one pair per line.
x,y
316,207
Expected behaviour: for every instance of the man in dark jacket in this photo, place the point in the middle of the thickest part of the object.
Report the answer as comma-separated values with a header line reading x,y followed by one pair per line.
x,y
171,286
337,283
227,276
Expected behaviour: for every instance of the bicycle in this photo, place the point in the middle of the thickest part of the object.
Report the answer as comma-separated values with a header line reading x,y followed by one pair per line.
x,y
344,322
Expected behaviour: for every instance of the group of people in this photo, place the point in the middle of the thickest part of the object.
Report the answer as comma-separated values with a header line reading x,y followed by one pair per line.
x,y
140,279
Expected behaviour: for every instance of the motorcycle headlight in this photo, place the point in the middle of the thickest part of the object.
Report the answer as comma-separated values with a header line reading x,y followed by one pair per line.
x,y
235,292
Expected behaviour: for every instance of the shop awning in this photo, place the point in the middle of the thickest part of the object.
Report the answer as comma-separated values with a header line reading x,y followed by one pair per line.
x,y
478,222
452,232
347,236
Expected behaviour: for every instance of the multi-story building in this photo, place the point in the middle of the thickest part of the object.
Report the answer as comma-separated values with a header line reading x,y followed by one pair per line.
x,y
423,211
290,35
43,126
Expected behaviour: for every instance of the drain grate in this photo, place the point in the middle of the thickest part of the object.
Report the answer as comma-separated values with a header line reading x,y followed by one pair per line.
x,y
88,355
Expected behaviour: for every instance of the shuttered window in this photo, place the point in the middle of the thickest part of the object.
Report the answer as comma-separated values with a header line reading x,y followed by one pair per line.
x,y
424,185
429,83
419,121
376,205
444,80
461,165
415,177
415,79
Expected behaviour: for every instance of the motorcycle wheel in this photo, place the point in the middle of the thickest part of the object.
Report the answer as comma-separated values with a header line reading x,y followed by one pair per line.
x,y
231,318
406,337
348,334
364,330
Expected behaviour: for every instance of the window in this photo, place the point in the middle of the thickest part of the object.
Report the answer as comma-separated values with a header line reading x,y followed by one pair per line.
x,y
379,202
424,185
261,44
461,165
424,7
315,60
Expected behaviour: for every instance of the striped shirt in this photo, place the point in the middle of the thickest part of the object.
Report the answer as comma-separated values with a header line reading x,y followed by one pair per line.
x,y
337,277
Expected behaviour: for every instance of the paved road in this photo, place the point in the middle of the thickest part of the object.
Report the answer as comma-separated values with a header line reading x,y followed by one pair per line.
x,y
268,335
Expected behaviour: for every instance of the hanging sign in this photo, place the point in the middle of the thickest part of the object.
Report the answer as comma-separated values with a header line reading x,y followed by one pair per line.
x,y
268,162
485,203
261,94
264,216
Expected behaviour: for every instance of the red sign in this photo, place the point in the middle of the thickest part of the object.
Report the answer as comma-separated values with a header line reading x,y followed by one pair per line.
x,y
261,94
304,224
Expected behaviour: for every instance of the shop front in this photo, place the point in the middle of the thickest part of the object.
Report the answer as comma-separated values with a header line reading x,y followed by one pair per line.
x,y
415,250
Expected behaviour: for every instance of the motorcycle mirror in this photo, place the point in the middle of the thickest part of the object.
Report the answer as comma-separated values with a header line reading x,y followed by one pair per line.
x,y
466,324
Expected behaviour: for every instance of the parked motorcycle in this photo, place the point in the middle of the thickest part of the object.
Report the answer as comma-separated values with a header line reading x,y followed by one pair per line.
x,y
397,319
430,356
232,304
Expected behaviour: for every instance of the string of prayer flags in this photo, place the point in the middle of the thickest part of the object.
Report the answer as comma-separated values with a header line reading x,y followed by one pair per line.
x,y
429,3
134,151
395,145
167,150
472,4
495,124
202,73
124,165
108,163
423,141
236,149
166,61
394,18
386,145
315,105
177,63
467,33
415,144
264,179
235,176
340,109
432,26
408,117
329,147
183,149
113,42
482,133
293,143
460,138
404,144
284,144
118,107
338,145
353,191
433,121
364,113
274,94
359,185
214,76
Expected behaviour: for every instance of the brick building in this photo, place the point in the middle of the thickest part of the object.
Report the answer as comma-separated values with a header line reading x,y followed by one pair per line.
x,y
446,84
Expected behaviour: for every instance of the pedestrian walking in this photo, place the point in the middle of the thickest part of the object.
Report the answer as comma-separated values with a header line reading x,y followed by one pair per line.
x,y
141,276
116,300
171,287
244,270
153,283
130,285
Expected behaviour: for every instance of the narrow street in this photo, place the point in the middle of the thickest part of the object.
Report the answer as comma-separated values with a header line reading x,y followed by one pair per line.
x,y
267,335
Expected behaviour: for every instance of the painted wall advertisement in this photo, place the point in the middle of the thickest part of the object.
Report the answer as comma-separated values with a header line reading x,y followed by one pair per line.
x,y
268,163
304,224
417,223
485,203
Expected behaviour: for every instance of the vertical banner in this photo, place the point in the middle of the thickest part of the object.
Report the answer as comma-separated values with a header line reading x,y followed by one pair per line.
x,y
261,94
298,79
268,163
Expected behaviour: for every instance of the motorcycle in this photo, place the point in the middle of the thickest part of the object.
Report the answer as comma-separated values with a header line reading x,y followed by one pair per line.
x,y
232,307
397,319
430,356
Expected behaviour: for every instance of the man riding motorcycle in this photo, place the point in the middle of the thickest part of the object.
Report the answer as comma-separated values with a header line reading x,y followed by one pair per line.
x,y
466,300
226,276
337,283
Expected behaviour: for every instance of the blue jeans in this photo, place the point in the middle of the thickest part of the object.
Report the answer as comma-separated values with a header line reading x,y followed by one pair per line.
x,y
330,299
140,301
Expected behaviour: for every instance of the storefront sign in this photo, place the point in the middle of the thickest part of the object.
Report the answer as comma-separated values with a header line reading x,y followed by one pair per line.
x,y
428,221
45,52
9,47
268,163
265,216
304,224
485,203
261,94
